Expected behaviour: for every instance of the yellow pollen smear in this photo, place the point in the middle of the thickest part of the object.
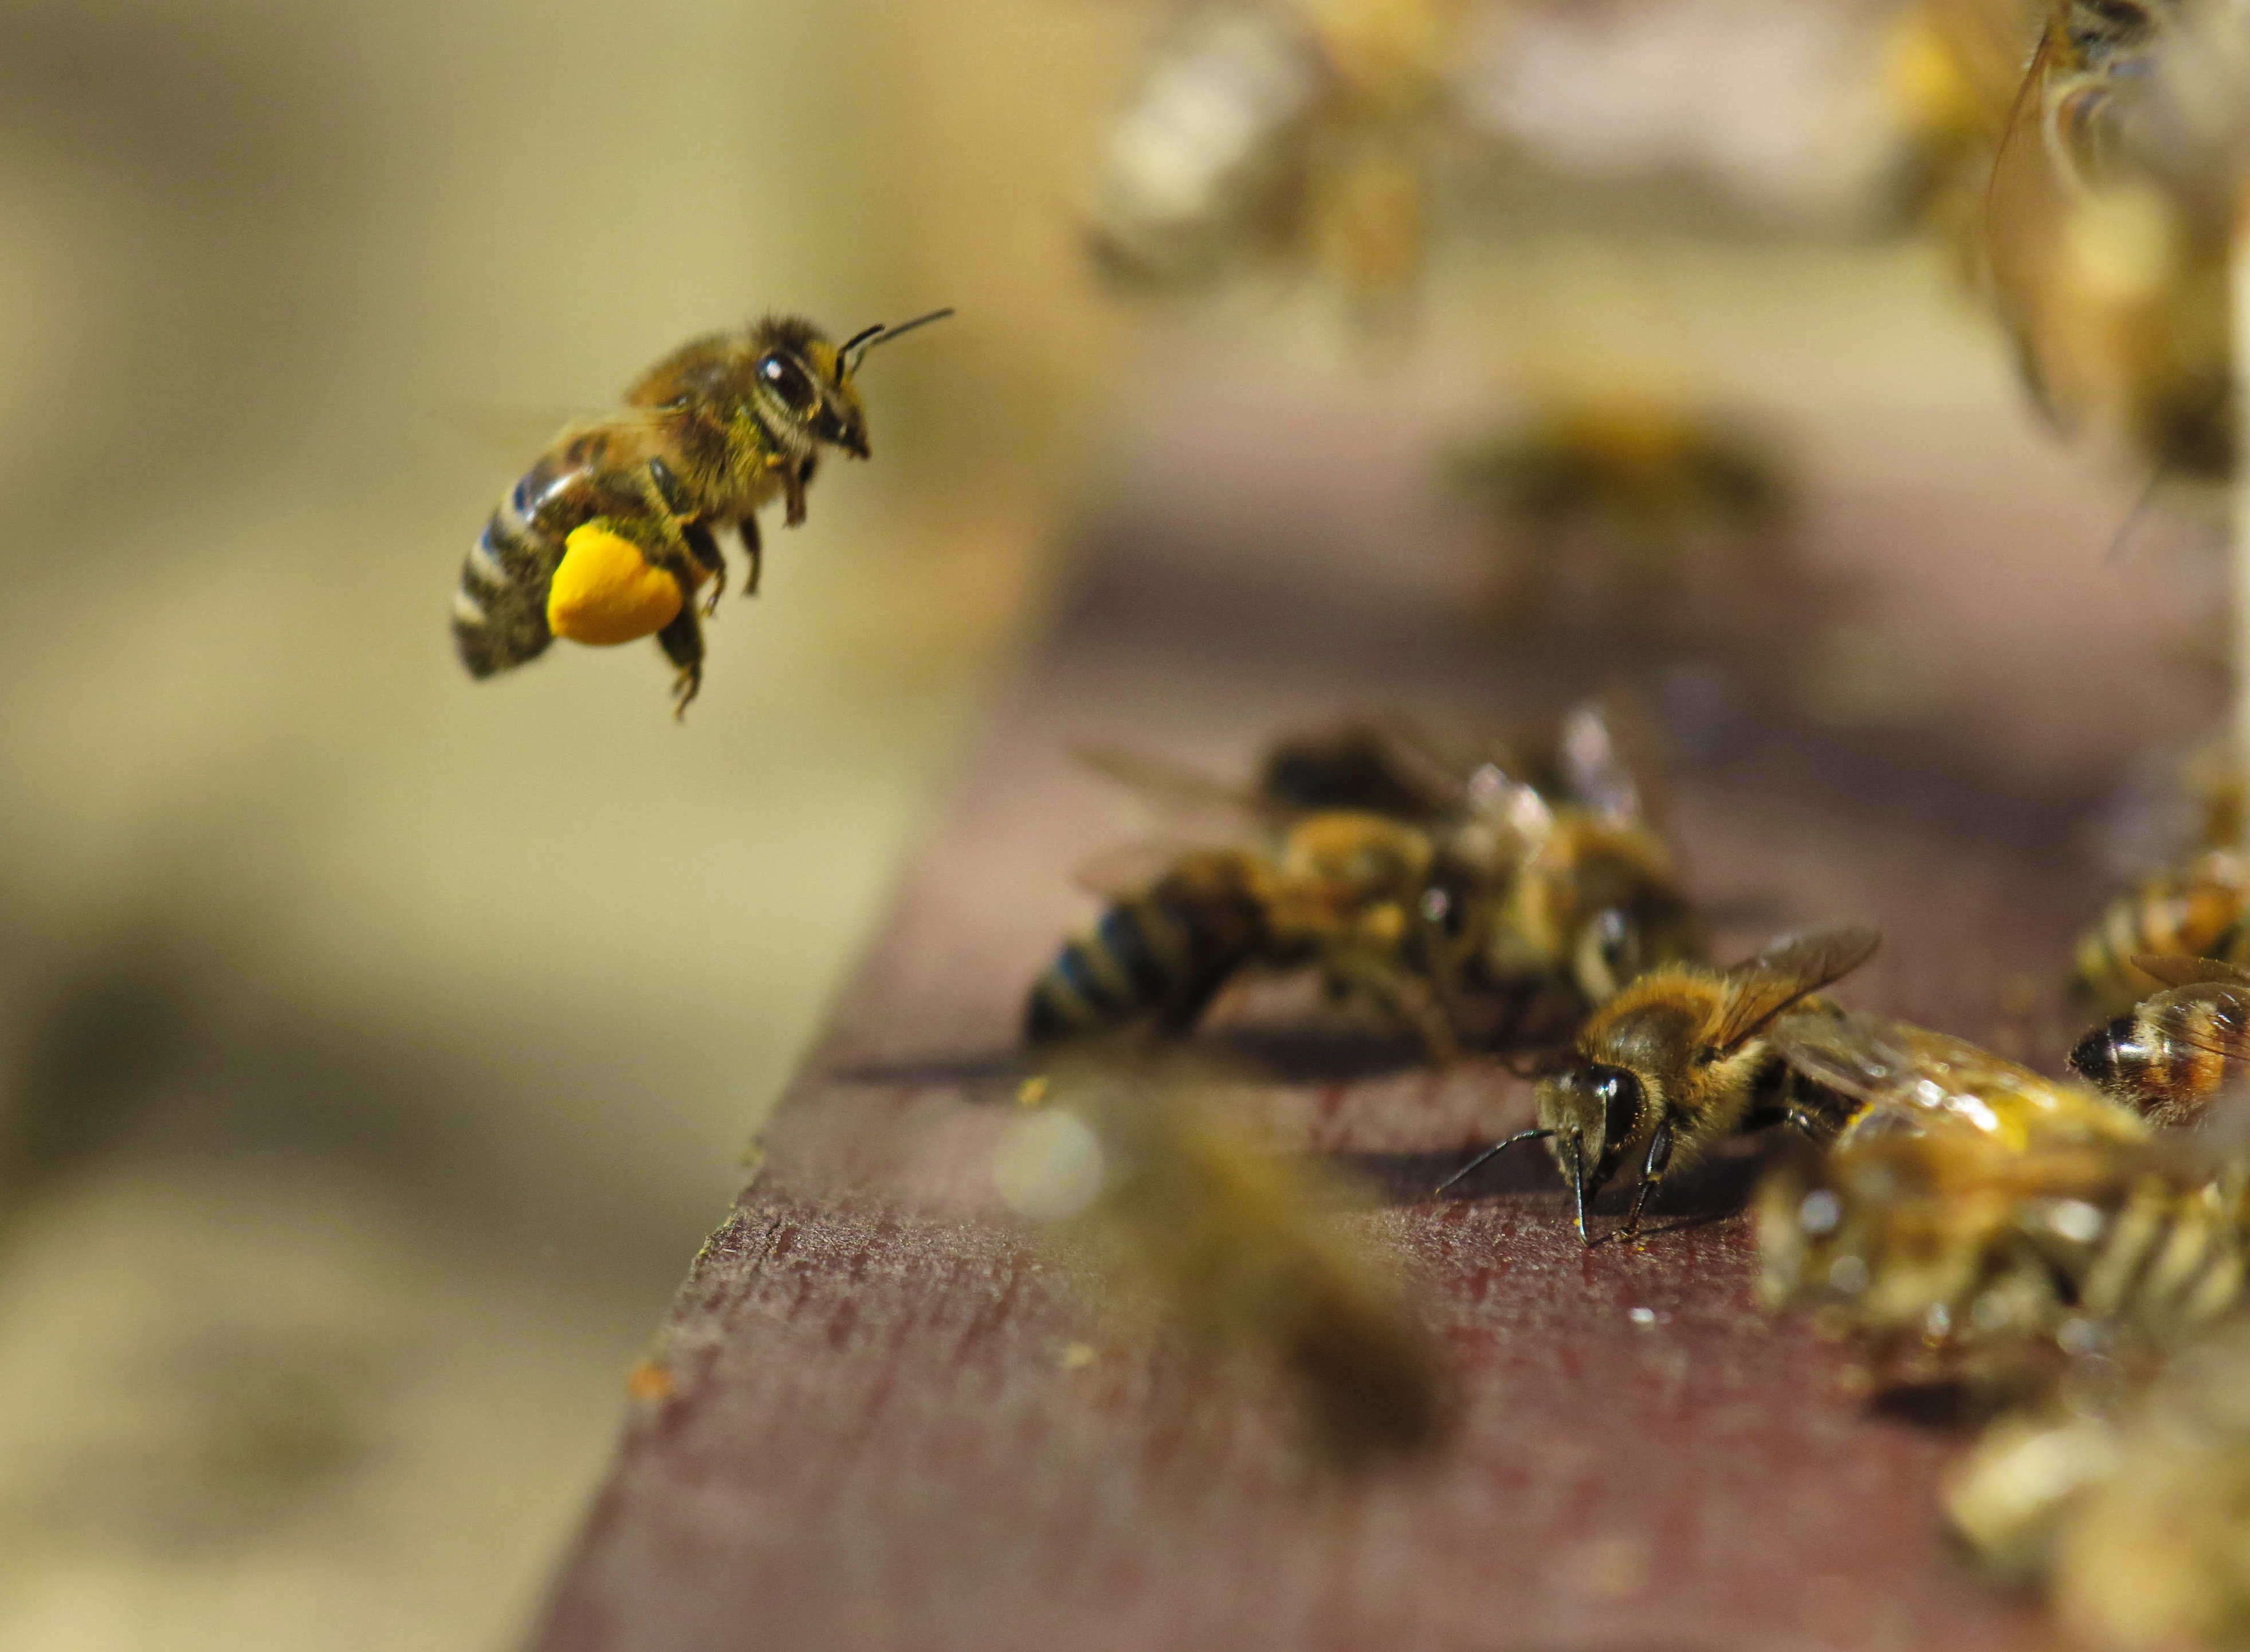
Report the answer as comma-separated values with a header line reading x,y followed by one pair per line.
x,y
606,591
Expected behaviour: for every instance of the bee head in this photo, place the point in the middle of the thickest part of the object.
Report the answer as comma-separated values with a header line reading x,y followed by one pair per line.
x,y
799,388
1594,1111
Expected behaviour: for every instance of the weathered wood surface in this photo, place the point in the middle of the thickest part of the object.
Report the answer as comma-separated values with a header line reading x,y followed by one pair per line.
x,y
871,1439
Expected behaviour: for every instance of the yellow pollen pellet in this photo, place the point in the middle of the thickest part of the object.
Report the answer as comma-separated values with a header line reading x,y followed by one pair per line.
x,y
606,591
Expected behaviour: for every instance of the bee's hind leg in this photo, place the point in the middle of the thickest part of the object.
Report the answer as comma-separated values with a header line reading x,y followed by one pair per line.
x,y
682,642
705,549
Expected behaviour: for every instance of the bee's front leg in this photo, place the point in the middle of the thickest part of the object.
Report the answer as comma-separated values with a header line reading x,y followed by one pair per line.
x,y
682,641
1652,1171
755,550
793,477
705,549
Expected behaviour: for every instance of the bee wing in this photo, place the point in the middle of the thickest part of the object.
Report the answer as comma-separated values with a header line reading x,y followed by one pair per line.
x,y
1786,972
1916,1081
1175,788
1605,753
2174,970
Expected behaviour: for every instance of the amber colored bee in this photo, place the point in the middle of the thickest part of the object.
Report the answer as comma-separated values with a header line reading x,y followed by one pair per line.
x,y
1235,1248
610,532
1281,128
2110,209
2172,1055
2193,910
1680,1060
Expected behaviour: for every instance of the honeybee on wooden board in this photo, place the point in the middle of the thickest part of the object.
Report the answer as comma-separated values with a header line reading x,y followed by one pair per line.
x,y
1229,1247
1680,1060
1280,129
611,533
2195,910
2177,1052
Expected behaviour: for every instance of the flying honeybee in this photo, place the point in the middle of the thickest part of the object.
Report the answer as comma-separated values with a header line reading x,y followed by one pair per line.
x,y
2175,1053
1282,128
1236,1248
1680,1060
610,534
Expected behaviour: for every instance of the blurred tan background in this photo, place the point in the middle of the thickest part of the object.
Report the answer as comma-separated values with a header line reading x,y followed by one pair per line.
x,y
375,1047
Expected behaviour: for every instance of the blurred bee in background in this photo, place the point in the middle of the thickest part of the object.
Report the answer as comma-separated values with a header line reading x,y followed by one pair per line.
x,y
2110,212
2175,1053
2131,1505
1954,69
1228,1246
1280,129
1429,881
1622,494
608,536
1680,1060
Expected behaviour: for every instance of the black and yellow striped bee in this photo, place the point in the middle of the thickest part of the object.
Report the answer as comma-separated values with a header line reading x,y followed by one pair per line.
x,y
610,532
2176,1052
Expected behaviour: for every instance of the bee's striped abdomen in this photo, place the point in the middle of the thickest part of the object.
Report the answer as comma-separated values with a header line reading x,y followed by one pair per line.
x,y
1163,954
2171,1056
499,608
2166,1258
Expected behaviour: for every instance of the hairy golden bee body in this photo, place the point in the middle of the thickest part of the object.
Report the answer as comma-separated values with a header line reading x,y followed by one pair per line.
x,y
609,534
2174,1053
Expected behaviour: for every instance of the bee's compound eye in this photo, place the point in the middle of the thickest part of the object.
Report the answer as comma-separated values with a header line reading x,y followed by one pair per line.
x,y
789,380
1618,1092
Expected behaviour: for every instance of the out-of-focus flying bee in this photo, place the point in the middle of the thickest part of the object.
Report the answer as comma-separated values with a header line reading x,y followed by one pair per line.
x,y
610,532
1630,489
2193,910
1235,1249
1683,1058
2175,1053
2108,220
1283,127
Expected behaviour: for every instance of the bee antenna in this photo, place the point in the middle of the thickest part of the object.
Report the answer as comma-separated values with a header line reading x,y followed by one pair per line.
x,y
860,342
1491,1152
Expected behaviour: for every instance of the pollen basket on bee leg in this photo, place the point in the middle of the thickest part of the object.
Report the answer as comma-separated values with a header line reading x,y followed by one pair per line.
x,y
605,590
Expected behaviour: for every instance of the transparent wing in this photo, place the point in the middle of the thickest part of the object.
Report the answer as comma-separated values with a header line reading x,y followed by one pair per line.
x,y
1787,970
1913,1081
1176,788
2175,970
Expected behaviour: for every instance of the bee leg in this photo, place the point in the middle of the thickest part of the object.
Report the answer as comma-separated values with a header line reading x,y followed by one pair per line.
x,y
792,488
1407,997
682,641
705,549
1578,1190
1652,1171
757,552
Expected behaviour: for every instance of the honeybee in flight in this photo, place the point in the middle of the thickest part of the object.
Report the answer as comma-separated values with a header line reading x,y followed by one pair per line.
x,y
1237,1248
2173,1053
1289,127
610,534
1682,1059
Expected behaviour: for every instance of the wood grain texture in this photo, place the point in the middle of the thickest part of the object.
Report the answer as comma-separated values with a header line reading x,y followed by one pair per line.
x,y
872,1438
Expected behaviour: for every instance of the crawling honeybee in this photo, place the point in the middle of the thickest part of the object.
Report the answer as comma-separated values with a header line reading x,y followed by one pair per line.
x,y
1235,1247
2173,1053
1627,492
610,534
1285,127
1680,1060
1429,880
1341,892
